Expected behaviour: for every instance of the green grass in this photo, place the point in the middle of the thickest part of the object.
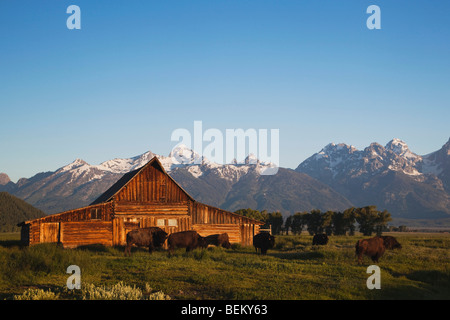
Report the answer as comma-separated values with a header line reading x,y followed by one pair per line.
x,y
294,269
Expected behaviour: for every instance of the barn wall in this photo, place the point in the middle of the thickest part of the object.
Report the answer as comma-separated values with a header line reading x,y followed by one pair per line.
x,y
233,230
122,224
48,229
208,220
151,185
136,208
75,234
204,214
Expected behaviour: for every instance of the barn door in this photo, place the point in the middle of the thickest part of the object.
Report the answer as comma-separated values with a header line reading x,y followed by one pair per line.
x,y
50,232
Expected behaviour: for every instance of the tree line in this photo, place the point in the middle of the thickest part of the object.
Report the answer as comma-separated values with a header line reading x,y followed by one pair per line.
x,y
368,219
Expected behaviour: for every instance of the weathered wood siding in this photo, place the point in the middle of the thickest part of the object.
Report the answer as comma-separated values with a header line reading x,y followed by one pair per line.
x,y
75,234
49,228
151,185
207,220
135,208
122,224
233,230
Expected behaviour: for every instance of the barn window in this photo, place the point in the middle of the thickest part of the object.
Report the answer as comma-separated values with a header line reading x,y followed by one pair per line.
x,y
172,223
96,214
160,223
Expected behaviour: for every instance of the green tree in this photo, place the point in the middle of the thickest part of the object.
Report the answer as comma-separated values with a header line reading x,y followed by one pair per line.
x,y
381,222
298,221
326,222
371,220
275,219
314,222
254,214
287,224
344,221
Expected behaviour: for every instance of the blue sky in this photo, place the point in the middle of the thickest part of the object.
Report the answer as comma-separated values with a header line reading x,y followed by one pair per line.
x,y
138,70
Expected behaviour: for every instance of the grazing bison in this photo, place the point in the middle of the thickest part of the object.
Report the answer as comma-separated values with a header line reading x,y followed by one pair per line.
x,y
263,241
391,243
320,239
375,247
146,237
186,239
219,240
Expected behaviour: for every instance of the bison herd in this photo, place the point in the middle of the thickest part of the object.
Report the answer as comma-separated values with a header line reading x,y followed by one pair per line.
x,y
155,237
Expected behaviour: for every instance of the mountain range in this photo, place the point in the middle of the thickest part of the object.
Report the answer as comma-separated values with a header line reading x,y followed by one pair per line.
x,y
337,177
392,177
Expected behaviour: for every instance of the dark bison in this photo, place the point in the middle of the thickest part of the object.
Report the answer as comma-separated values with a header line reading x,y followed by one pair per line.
x,y
320,239
219,240
375,247
152,237
186,239
391,243
263,241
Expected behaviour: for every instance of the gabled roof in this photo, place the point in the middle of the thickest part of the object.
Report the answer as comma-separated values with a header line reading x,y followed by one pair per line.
x,y
127,177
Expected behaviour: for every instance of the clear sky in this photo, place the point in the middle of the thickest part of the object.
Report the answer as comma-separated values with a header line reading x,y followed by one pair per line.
x,y
138,70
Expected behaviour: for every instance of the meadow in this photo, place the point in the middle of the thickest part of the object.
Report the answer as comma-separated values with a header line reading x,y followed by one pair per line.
x,y
293,270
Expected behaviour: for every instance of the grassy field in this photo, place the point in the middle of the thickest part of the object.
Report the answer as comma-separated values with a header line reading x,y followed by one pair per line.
x,y
293,270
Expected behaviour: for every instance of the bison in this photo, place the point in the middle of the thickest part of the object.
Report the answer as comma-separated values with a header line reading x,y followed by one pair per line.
x,y
219,240
375,247
186,239
263,241
146,237
391,243
320,239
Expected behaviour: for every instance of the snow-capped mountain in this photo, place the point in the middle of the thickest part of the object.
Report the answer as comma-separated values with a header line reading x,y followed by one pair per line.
x,y
79,183
179,157
337,177
341,160
392,176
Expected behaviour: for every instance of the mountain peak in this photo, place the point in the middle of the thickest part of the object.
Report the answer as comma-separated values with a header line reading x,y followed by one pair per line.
x,y
75,164
182,154
400,148
333,148
396,143
251,159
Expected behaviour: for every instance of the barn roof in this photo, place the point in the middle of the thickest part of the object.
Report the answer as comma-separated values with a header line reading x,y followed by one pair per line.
x,y
127,177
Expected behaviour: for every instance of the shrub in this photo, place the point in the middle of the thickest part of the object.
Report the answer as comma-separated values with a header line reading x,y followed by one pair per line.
x,y
37,294
119,291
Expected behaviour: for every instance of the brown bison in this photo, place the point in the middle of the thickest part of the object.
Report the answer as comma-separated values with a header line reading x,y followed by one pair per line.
x,y
263,241
219,240
391,243
186,239
320,239
375,247
151,237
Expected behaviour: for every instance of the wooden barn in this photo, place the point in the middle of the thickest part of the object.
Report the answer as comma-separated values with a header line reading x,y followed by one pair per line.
x,y
142,198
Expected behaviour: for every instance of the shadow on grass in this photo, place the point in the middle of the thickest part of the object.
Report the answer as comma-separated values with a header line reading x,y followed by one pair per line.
x,y
303,256
434,278
11,243
96,248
